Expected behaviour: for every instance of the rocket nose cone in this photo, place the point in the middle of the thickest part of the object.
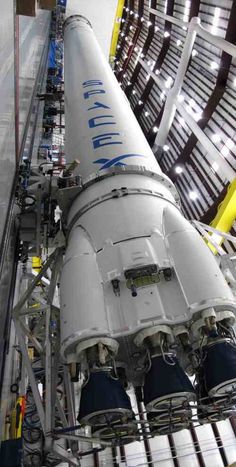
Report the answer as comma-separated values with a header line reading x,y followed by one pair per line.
x,y
174,221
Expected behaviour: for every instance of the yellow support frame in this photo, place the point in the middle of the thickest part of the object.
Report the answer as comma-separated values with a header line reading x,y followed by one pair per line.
x,y
226,213
116,30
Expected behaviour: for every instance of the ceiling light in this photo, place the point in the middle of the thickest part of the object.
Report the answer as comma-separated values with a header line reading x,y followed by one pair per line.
x,y
140,102
162,96
165,148
149,62
193,195
149,23
229,143
118,47
216,138
146,114
130,43
142,19
155,129
215,20
168,82
127,9
156,28
178,42
197,116
141,55
147,77
166,34
122,34
194,53
129,83
178,169
131,28
133,92
123,20
180,98
131,12
136,49
214,65
136,15
157,72
125,75
225,151
215,166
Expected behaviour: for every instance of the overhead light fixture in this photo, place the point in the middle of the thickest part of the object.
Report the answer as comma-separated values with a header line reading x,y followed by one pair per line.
x,y
118,47
216,138
229,143
155,129
123,20
149,62
131,28
149,23
215,166
214,65
156,28
180,98
166,148
178,169
131,12
129,83
136,49
197,116
133,92
168,82
140,102
146,114
122,34
225,151
136,15
130,43
181,121
178,42
166,34
147,77
142,19
194,53
215,20
162,96
193,195
186,11
125,75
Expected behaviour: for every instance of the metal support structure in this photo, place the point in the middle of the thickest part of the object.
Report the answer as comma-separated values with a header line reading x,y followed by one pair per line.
x,y
49,351
194,28
170,105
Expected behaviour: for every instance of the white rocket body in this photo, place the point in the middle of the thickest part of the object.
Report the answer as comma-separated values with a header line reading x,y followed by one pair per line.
x,y
127,218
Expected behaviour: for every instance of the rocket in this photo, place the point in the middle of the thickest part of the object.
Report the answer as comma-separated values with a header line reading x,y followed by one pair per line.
x,y
144,303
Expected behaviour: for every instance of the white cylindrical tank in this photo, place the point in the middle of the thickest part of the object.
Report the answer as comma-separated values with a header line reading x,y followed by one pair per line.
x,y
101,130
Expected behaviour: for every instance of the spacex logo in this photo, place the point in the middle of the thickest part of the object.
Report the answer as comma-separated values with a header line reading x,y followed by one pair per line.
x,y
116,161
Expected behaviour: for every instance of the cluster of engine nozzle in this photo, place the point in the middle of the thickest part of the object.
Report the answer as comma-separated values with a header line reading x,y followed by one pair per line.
x,y
168,394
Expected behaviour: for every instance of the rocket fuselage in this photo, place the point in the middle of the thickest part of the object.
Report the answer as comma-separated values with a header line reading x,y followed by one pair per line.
x,y
133,264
